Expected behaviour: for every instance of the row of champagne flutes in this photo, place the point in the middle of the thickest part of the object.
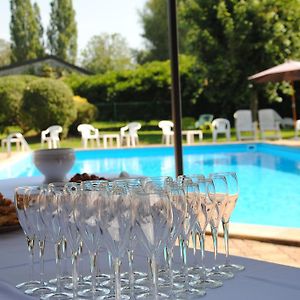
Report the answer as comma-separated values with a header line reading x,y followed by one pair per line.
x,y
120,216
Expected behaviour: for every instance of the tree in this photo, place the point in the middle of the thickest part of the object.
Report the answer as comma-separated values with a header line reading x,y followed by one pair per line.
x,y
38,19
62,31
5,53
25,31
233,39
154,18
106,52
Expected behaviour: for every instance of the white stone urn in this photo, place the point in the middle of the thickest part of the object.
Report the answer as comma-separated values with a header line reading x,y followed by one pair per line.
x,y
54,164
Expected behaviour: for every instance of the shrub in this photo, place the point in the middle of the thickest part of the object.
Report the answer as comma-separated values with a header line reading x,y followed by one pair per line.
x,y
86,112
11,94
145,90
188,123
48,102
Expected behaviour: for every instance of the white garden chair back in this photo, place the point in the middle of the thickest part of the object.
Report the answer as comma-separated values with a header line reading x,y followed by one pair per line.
x,y
89,133
51,136
269,121
167,132
222,126
129,134
244,124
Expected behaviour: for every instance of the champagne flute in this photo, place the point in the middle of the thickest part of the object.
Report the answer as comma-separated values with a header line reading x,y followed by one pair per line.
x,y
192,199
116,222
208,197
87,216
221,187
233,194
32,212
153,222
21,201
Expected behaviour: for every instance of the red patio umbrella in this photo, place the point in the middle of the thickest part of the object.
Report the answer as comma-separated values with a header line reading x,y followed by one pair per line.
x,y
288,71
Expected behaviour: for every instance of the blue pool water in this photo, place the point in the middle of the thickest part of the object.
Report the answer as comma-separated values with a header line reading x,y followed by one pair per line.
x,y
269,175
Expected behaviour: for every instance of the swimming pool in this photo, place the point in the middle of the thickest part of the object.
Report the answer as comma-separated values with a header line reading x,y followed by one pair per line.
x,y
269,175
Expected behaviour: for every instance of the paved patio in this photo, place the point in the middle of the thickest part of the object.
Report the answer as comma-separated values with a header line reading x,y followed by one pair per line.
x,y
275,253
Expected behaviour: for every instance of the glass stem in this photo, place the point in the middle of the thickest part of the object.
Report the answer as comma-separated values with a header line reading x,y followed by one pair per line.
x,y
170,265
202,251
79,264
65,256
214,233
226,240
30,246
117,265
41,255
185,269
93,258
75,273
130,271
194,238
58,252
153,267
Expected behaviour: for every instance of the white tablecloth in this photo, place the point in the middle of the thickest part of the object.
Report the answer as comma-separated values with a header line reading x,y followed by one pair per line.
x,y
260,280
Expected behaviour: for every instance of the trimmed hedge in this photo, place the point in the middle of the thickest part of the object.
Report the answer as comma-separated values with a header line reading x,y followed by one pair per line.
x,y
48,102
141,93
11,98
86,112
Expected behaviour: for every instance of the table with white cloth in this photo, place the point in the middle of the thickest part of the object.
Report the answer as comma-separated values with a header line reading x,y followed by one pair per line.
x,y
260,280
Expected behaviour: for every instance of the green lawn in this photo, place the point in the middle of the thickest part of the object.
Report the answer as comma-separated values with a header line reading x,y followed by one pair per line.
x,y
149,134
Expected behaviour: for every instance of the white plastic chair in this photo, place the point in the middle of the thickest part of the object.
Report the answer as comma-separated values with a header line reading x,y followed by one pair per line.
x,y
269,120
297,129
167,132
129,134
220,125
244,123
17,138
89,133
51,136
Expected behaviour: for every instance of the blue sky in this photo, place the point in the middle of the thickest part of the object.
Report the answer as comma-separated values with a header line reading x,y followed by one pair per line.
x,y
93,17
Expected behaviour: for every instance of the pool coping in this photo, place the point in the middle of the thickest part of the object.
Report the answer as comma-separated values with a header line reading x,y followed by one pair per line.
x,y
271,234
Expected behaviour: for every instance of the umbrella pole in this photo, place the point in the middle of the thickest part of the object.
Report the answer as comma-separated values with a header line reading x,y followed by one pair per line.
x,y
176,94
294,103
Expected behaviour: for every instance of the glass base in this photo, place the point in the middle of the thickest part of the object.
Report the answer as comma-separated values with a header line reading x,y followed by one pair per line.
x,y
215,274
82,285
28,285
151,296
100,292
113,297
58,296
231,268
63,280
206,283
190,293
40,291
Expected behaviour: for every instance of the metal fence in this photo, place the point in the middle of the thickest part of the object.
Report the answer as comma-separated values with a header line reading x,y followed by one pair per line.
x,y
118,111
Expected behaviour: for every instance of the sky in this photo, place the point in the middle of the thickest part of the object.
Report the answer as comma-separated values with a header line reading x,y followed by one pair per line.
x,y
93,18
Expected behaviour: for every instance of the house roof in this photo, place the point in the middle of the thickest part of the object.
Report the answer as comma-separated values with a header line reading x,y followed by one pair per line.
x,y
45,58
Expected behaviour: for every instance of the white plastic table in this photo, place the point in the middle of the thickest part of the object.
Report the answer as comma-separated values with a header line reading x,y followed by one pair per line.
x,y
190,135
108,138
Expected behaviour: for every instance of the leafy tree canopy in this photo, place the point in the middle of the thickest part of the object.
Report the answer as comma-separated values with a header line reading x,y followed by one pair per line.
x,y
233,39
154,19
106,52
5,53
25,30
62,31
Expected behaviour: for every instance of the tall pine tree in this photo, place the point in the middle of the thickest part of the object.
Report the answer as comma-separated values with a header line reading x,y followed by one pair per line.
x,y
25,32
62,31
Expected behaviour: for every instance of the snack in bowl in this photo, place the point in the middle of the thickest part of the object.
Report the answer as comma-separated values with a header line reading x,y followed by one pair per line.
x,y
8,214
85,177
